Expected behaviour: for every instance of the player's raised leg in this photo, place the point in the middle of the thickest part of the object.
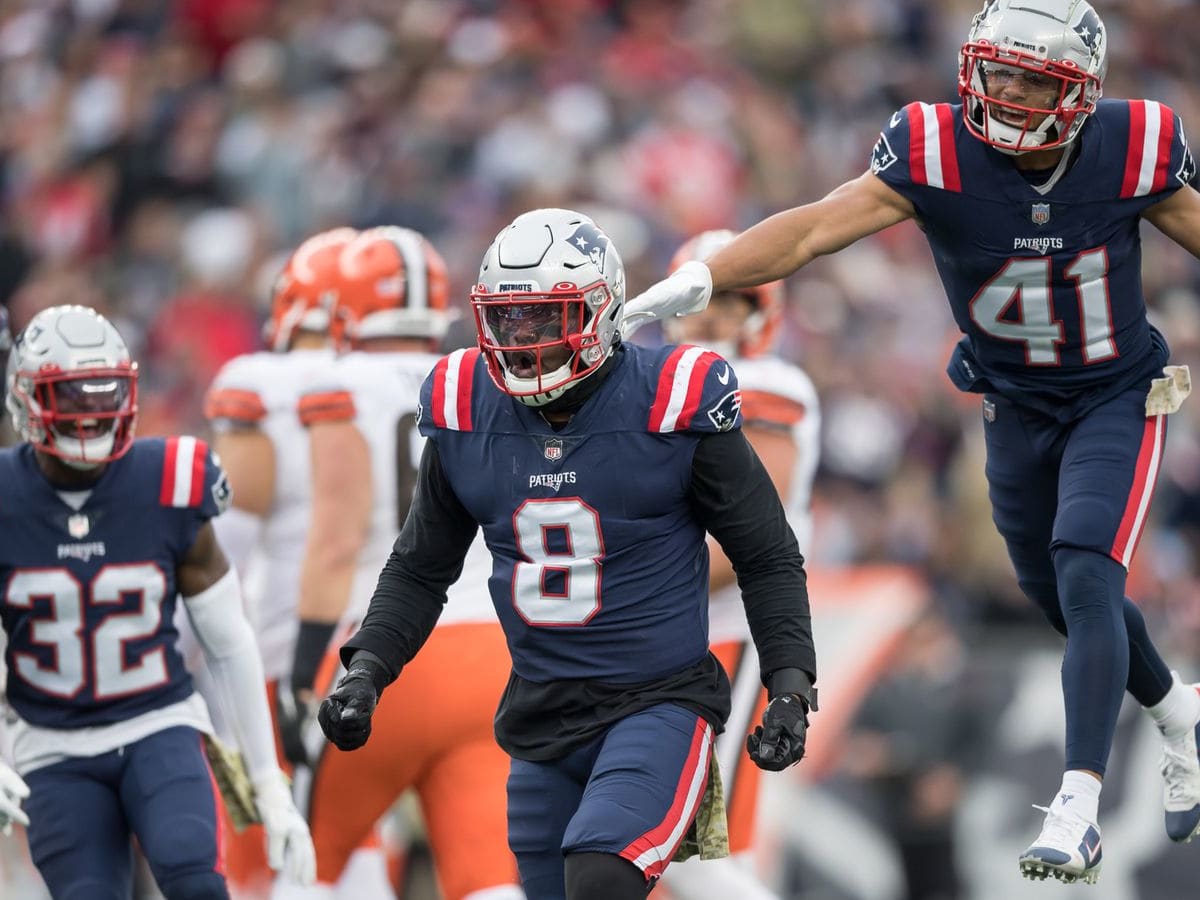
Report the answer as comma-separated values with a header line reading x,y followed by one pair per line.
x,y
1121,427
1023,483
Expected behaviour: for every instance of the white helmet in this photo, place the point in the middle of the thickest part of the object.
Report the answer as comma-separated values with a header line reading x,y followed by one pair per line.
x,y
1054,45
72,388
551,281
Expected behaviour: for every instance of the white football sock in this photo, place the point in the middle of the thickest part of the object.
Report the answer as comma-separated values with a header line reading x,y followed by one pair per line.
x,y
1179,711
1080,793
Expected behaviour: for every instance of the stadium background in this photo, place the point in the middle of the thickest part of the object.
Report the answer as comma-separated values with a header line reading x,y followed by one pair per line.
x,y
157,158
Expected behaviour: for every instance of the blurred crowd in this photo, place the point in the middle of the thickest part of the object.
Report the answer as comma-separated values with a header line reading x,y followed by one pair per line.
x,y
159,157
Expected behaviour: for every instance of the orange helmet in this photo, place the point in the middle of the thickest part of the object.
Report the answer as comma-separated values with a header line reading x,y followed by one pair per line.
x,y
393,284
760,329
304,289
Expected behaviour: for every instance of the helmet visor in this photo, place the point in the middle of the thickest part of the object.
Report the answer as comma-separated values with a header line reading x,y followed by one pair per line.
x,y
90,407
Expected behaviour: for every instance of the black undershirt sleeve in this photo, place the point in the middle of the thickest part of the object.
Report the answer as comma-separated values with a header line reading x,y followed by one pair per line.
x,y
736,502
426,559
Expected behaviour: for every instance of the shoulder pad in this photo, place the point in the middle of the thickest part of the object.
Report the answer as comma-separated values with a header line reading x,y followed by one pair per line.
x,y
192,477
696,391
918,147
1157,157
448,391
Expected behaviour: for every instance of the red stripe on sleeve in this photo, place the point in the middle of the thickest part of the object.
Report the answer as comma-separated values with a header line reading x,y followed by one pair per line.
x,y
167,494
662,396
1166,137
916,144
199,458
950,178
438,400
695,389
466,382
1133,155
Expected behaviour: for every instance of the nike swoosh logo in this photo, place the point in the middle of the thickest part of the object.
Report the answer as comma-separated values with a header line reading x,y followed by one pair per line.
x,y
895,119
723,377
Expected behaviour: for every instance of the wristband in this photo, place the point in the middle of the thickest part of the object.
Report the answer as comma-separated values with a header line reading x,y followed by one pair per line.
x,y
312,642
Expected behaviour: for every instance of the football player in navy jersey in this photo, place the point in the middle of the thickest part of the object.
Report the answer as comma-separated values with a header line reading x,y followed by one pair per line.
x,y
1030,193
99,534
594,469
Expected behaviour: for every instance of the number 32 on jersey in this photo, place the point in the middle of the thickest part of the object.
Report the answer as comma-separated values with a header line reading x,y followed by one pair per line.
x,y
66,629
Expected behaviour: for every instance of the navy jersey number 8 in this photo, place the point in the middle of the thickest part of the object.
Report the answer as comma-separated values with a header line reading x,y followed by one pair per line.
x,y
562,541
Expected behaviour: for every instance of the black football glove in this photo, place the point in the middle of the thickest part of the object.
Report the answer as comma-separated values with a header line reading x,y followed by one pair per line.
x,y
293,716
779,741
345,715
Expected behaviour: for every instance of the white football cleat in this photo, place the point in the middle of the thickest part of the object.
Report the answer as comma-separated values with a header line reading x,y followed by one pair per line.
x,y
1181,784
1068,848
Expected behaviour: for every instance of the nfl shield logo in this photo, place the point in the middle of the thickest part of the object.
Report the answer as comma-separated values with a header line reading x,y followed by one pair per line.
x,y
553,449
1040,214
78,526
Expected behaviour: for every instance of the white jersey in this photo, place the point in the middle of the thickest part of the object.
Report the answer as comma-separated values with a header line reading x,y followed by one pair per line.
x,y
775,394
383,390
266,388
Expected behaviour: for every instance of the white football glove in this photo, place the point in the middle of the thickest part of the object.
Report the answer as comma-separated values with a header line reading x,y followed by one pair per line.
x,y
685,291
13,790
289,845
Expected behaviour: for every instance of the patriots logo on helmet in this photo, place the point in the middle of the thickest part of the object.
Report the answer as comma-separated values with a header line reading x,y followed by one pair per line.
x,y
992,7
591,242
882,155
1091,31
724,415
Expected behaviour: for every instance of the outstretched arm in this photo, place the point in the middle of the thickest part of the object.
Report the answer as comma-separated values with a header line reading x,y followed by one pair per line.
x,y
778,246
773,249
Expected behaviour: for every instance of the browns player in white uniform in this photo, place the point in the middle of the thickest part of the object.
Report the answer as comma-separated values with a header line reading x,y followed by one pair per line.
x,y
781,419
264,447
437,726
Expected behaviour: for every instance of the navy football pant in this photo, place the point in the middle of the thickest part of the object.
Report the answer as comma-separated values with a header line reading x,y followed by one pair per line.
x,y
1070,501
82,812
631,793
